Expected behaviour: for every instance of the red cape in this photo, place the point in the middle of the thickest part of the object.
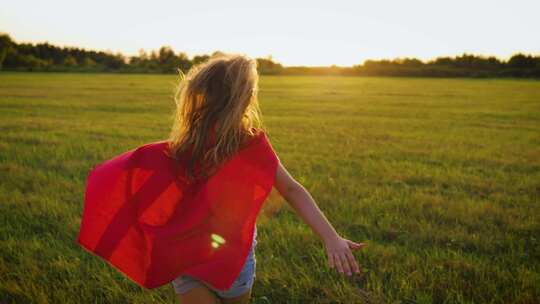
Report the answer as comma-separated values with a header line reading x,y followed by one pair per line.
x,y
143,217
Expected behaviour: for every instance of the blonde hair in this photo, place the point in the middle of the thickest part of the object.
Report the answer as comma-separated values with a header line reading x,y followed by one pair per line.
x,y
216,112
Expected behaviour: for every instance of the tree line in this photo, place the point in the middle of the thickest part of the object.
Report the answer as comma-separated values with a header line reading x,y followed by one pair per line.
x,y
50,58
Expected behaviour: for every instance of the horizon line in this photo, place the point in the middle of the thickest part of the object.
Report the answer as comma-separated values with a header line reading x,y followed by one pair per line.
x,y
127,55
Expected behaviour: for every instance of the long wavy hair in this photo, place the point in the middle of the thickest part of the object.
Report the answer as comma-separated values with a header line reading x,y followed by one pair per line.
x,y
216,112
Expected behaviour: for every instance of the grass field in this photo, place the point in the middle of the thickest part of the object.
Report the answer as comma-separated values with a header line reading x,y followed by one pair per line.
x,y
441,177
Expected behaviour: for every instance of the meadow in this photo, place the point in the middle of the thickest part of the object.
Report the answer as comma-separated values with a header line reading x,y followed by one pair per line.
x,y
441,177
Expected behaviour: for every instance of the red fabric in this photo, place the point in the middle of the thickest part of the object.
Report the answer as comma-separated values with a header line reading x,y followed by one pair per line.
x,y
143,217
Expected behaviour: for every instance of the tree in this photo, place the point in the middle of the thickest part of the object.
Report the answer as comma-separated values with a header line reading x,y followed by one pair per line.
x,y
5,45
268,66
200,59
70,61
521,61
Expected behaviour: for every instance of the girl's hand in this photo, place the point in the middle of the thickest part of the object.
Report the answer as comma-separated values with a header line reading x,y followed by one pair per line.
x,y
340,256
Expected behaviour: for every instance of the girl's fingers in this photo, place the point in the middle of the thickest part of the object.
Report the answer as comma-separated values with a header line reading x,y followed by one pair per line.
x,y
356,245
338,263
352,244
352,262
343,260
331,263
345,263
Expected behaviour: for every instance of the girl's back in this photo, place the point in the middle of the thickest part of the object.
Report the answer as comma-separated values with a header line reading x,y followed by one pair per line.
x,y
221,96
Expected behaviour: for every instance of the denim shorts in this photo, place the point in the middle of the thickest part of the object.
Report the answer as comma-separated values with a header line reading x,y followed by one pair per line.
x,y
242,284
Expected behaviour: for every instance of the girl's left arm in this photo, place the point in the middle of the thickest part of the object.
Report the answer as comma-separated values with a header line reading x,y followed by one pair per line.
x,y
338,249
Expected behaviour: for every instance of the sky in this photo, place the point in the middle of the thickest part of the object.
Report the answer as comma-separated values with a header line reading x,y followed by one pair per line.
x,y
311,33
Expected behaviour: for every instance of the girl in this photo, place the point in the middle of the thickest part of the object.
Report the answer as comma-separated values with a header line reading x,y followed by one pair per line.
x,y
219,98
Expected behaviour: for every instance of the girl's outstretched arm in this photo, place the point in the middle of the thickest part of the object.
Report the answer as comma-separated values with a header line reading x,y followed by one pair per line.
x,y
338,249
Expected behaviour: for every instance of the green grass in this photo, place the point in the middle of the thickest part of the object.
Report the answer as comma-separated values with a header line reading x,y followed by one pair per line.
x,y
441,177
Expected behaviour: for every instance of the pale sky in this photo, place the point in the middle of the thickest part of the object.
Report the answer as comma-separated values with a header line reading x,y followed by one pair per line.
x,y
293,32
